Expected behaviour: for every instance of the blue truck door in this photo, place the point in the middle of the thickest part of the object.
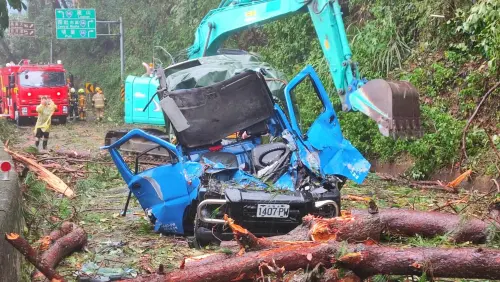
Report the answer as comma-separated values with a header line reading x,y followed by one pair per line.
x,y
322,147
164,191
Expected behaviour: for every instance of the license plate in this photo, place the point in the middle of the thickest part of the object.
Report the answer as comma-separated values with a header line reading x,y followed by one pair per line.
x,y
273,210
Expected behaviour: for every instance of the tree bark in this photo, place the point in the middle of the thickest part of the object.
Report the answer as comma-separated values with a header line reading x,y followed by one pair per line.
x,y
364,260
66,240
471,263
53,182
430,224
33,257
247,266
351,228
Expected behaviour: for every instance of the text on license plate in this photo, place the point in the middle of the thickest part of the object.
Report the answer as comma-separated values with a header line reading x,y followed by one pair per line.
x,y
272,210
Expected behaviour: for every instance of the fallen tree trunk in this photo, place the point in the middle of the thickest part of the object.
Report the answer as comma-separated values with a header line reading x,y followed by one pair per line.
x,y
247,266
361,226
53,182
348,227
472,263
33,257
68,239
403,222
363,260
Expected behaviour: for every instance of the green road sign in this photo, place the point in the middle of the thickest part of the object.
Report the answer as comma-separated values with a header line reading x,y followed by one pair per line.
x,y
75,24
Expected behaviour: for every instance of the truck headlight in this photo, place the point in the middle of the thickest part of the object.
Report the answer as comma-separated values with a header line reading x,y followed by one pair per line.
x,y
65,109
24,111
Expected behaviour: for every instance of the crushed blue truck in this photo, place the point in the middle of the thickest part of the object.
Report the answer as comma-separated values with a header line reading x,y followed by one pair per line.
x,y
235,142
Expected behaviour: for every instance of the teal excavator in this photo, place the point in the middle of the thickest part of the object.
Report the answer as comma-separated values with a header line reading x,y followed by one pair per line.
x,y
393,105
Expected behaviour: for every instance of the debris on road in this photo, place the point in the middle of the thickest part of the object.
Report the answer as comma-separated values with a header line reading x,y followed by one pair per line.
x,y
451,187
55,183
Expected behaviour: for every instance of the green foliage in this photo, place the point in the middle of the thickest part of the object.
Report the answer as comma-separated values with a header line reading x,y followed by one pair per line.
x,y
474,85
440,146
482,23
441,77
379,44
4,12
6,130
100,177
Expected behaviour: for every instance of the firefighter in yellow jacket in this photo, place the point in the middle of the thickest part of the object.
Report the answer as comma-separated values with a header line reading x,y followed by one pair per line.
x,y
42,127
82,104
98,102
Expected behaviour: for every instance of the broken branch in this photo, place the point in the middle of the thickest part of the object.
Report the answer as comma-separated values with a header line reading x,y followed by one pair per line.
x,y
53,182
68,239
32,256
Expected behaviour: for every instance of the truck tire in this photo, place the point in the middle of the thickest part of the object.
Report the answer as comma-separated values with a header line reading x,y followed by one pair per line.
x,y
19,121
198,243
63,120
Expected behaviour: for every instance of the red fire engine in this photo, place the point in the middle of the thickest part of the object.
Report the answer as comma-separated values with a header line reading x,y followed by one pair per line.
x,y
23,85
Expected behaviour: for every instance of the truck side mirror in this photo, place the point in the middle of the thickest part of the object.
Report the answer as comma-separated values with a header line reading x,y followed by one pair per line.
x,y
12,81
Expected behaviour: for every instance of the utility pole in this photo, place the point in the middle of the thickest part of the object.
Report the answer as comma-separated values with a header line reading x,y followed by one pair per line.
x,y
51,40
122,51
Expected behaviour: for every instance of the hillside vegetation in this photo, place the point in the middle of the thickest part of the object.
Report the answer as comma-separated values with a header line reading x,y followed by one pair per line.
x,y
449,49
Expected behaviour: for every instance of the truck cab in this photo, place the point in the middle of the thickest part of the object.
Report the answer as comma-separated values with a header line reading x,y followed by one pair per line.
x,y
285,168
23,85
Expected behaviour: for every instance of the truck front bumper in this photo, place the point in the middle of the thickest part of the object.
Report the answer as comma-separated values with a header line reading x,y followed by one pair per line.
x,y
30,110
241,205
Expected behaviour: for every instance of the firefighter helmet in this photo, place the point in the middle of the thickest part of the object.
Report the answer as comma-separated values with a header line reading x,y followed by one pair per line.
x,y
72,90
81,90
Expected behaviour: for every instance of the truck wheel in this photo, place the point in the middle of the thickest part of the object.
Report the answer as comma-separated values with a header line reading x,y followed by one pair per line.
x,y
198,243
63,120
20,121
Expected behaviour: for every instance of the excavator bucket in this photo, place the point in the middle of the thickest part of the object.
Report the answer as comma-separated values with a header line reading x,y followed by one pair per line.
x,y
394,105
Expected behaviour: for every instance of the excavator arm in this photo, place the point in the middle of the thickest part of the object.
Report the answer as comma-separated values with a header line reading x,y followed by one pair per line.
x,y
393,105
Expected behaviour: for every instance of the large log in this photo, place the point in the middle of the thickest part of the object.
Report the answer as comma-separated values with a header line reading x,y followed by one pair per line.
x,y
247,266
361,225
471,263
68,239
32,256
348,227
403,222
53,182
364,260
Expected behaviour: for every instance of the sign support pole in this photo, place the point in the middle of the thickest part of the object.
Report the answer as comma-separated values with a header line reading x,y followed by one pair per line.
x,y
51,43
122,53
